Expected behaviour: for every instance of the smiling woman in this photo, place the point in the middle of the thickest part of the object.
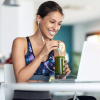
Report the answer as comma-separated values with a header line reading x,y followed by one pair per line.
x,y
33,56
50,24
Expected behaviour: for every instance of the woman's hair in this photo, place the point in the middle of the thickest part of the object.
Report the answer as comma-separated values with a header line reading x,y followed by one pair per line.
x,y
48,7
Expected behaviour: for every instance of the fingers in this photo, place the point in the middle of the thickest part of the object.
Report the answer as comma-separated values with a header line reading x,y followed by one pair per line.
x,y
65,61
52,43
68,73
48,47
53,48
67,70
54,68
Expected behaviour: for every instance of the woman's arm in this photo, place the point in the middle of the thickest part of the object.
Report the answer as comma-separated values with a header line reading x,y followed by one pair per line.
x,y
23,72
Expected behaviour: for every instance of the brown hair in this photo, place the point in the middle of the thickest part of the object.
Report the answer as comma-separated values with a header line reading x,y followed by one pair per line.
x,y
48,7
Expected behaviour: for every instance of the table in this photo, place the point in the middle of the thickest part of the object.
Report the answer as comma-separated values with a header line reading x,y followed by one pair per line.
x,y
83,87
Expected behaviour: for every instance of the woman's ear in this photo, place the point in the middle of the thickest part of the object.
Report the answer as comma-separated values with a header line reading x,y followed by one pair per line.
x,y
38,19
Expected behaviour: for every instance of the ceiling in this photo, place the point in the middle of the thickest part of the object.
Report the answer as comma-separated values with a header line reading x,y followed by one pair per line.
x,y
77,11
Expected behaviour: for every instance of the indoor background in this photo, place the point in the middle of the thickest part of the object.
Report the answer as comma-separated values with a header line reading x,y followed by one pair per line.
x,y
81,23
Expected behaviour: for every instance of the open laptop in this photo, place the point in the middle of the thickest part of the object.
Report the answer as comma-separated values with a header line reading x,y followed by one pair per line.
x,y
89,68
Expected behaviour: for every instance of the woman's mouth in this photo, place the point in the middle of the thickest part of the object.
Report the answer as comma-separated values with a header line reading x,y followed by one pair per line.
x,y
52,33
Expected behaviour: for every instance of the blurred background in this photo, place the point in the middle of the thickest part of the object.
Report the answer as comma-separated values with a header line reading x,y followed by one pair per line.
x,y
81,23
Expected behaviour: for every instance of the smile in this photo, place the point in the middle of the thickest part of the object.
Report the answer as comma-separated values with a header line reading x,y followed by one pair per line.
x,y
51,33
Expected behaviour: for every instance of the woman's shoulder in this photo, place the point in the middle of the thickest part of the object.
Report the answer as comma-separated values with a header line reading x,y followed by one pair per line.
x,y
19,41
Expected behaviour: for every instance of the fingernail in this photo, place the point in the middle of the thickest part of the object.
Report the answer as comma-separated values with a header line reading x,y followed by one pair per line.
x,y
63,69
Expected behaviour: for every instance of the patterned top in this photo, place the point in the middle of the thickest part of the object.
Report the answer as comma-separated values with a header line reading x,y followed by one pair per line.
x,y
45,70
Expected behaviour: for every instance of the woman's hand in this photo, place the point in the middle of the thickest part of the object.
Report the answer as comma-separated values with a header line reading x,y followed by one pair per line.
x,y
67,71
48,47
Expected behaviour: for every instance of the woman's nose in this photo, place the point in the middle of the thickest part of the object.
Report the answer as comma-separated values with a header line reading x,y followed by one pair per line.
x,y
55,26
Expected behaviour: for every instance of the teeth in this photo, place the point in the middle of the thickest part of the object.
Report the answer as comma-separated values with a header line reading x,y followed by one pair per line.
x,y
52,32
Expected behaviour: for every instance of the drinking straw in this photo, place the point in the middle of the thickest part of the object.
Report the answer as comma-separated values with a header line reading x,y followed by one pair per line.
x,y
58,50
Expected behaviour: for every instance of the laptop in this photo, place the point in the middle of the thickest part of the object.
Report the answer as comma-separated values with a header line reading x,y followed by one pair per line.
x,y
89,68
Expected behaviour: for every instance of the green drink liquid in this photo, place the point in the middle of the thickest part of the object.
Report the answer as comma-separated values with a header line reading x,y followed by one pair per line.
x,y
59,63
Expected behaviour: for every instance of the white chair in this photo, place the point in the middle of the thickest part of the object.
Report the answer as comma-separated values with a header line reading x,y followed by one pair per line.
x,y
9,78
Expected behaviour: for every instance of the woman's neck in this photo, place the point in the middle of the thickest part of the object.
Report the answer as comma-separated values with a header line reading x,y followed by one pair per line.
x,y
38,39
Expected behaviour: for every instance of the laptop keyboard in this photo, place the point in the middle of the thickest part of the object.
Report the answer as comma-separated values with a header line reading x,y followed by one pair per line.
x,y
63,80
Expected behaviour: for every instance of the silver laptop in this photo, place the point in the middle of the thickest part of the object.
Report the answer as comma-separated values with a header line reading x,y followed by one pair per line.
x,y
89,68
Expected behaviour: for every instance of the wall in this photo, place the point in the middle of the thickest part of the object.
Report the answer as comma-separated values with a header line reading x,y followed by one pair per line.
x,y
0,25
26,18
80,31
93,26
9,28
16,22
78,37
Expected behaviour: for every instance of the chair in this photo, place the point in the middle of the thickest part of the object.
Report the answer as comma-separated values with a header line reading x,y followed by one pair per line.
x,y
9,77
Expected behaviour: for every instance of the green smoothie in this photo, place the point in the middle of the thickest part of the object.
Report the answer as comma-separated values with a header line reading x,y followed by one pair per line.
x,y
59,63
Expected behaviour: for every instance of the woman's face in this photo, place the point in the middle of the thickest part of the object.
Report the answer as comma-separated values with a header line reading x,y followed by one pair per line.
x,y
50,24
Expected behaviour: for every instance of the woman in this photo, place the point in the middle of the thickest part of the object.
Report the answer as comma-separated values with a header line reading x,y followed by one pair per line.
x,y
33,56
30,54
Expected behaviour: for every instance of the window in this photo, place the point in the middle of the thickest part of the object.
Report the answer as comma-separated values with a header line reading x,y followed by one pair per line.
x,y
94,37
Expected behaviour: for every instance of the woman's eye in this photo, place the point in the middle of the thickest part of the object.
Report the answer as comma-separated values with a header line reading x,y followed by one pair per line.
x,y
51,22
59,24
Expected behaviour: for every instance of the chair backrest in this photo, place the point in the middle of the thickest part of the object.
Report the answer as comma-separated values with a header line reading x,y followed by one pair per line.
x,y
9,78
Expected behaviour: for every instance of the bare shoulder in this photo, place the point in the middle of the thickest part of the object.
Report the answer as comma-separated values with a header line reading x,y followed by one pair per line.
x,y
19,41
19,44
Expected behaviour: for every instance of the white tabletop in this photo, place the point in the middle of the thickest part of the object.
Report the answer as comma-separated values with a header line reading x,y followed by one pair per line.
x,y
83,87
